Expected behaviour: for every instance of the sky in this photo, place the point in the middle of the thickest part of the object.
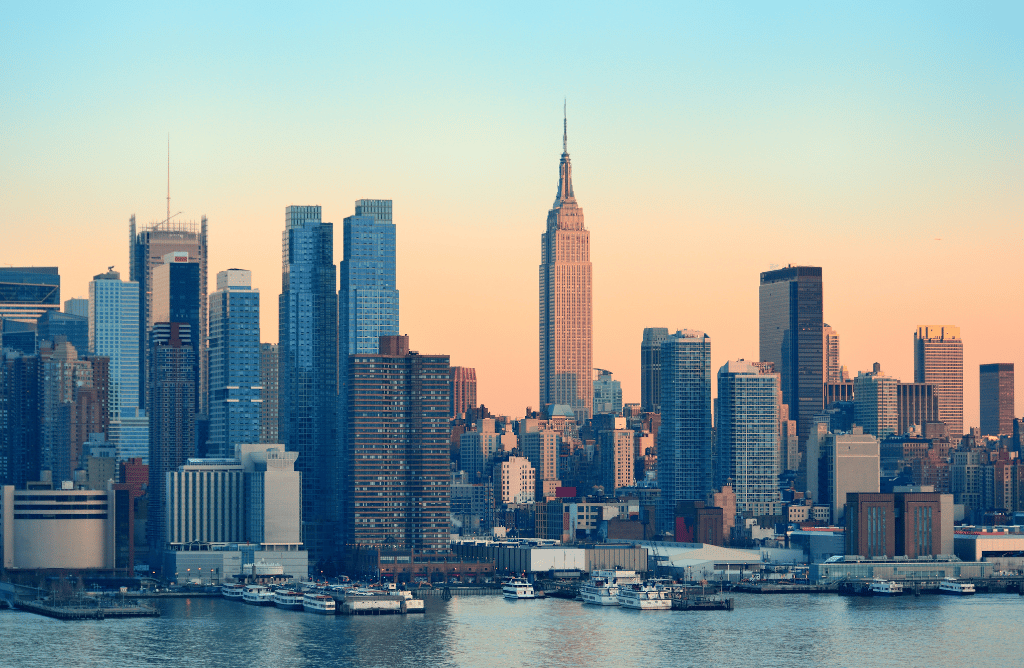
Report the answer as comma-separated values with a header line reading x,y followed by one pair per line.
x,y
709,141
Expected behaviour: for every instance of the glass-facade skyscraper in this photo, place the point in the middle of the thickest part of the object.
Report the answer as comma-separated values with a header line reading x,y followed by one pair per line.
x,y
791,336
747,436
367,295
235,390
114,333
650,368
684,439
308,369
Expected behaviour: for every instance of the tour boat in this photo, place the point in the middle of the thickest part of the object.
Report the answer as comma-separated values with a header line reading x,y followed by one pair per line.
x,y
954,587
232,591
288,599
639,597
603,586
880,587
319,603
258,595
517,588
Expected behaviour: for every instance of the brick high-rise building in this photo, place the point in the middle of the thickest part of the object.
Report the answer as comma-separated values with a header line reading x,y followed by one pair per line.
x,y
463,390
996,393
396,464
939,360
566,294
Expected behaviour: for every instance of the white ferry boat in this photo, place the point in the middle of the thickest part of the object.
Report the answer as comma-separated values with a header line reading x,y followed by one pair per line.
x,y
232,591
954,587
258,595
639,597
517,588
318,603
288,599
603,586
880,587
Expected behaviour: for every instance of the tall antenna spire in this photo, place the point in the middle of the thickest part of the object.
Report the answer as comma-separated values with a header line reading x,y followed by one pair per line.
x,y
565,132
168,176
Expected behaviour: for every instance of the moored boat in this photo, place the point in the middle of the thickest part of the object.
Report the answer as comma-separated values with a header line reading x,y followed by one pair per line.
x,y
258,595
288,599
232,591
954,587
638,597
319,603
603,586
880,587
517,588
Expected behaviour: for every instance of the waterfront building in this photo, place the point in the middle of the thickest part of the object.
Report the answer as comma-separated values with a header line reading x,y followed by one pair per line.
x,y
791,337
308,370
269,382
747,430
916,404
147,248
996,395
74,328
650,369
515,481
875,406
910,524
566,313
607,393
939,360
113,333
172,388
833,371
616,452
398,402
463,390
685,469
235,389
204,503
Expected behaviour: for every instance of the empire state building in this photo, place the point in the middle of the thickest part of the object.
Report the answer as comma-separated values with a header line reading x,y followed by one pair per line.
x,y
566,316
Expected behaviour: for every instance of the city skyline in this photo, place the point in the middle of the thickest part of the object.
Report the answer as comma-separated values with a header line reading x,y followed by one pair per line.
x,y
806,158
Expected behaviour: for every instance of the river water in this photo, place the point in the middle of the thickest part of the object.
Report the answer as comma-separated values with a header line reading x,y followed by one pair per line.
x,y
791,630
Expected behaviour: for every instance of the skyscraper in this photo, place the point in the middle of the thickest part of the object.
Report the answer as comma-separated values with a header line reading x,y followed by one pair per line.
x,y
172,400
939,360
269,381
174,296
19,411
650,368
308,368
791,336
607,393
398,403
463,390
566,315
28,292
146,250
747,433
875,403
113,333
996,393
833,369
235,390
684,438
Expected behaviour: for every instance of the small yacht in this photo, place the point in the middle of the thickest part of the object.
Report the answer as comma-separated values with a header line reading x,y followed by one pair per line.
x,y
319,603
880,587
639,597
258,595
232,591
517,588
954,587
603,586
288,599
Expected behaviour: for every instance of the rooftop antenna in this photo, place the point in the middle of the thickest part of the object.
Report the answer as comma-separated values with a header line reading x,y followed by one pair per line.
x,y
565,131
168,177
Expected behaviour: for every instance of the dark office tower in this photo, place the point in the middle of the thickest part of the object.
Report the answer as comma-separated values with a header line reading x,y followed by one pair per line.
x,y
685,435
174,297
463,390
996,389
792,337
146,250
19,417
308,366
397,460
939,360
269,381
566,294
26,293
74,328
916,404
650,369
235,390
172,400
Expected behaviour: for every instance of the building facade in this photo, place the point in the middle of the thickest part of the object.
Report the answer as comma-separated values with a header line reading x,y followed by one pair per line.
x,y
792,337
996,395
607,393
235,385
308,369
875,404
463,390
685,470
939,360
650,368
566,293
514,481
269,382
113,333
830,349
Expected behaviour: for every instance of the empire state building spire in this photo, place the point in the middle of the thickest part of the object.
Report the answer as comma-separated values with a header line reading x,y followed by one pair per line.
x,y
564,193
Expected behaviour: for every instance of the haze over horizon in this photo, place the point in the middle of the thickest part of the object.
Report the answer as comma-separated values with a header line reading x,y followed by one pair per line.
x,y
708,143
